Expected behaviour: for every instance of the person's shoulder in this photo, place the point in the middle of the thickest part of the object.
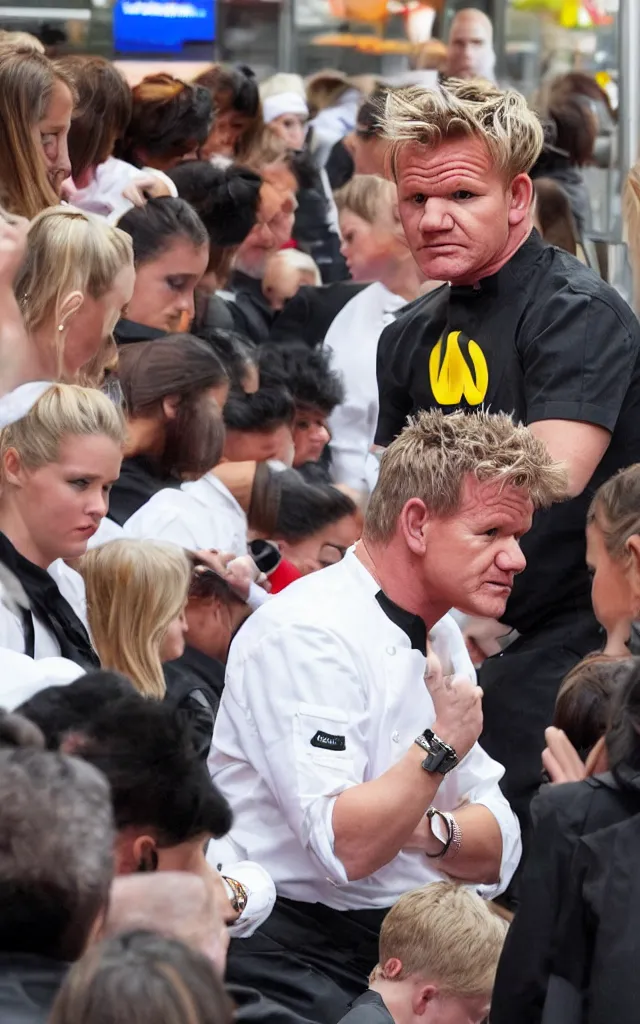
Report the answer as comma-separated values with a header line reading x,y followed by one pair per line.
x,y
415,316
565,276
369,1008
325,603
567,805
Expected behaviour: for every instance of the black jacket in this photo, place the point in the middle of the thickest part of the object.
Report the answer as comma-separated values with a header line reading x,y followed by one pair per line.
x,y
309,314
567,819
369,1008
128,332
28,987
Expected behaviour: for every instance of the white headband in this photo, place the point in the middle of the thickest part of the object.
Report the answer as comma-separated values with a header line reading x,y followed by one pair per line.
x,y
17,403
283,103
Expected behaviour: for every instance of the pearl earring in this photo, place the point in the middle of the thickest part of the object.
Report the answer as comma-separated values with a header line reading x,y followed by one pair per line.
x,y
61,327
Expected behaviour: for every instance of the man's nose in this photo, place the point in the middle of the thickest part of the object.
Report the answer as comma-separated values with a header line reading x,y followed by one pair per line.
x,y
435,216
511,557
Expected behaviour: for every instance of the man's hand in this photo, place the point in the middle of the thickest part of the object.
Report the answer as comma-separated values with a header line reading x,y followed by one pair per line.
x,y
458,707
238,571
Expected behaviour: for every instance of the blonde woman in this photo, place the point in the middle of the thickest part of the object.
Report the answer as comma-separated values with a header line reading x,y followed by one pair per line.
x,y
76,279
57,466
136,596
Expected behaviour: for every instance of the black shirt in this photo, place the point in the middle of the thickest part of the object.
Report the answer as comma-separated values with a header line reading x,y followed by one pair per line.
x,y
252,314
139,479
544,338
369,1008
128,332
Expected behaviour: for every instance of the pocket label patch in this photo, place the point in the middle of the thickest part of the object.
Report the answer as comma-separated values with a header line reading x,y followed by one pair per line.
x,y
325,741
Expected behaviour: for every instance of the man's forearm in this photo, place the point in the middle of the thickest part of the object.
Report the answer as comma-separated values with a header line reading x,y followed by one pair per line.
x,y
372,822
480,855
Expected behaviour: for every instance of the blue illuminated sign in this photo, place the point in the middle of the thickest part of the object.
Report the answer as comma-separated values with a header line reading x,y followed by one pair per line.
x,y
161,26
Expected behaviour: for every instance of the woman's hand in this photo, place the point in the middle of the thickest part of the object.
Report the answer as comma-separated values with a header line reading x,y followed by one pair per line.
x,y
147,186
561,759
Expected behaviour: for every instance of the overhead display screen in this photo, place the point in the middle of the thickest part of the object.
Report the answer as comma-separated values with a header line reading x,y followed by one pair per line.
x,y
161,26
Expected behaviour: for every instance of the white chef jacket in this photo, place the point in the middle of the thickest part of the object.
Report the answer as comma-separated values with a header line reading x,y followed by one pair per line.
x,y
353,341
324,658
202,515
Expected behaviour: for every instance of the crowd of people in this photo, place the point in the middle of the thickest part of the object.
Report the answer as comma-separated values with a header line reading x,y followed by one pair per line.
x,y
319,550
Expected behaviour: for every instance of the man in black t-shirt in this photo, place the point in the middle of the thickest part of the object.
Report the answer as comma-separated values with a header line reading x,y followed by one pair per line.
x,y
522,328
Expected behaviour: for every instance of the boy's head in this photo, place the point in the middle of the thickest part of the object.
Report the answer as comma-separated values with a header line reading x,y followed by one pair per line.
x,y
583,704
439,951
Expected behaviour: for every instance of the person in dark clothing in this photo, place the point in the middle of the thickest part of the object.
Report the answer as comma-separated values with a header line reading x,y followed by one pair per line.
x,y
226,199
522,327
572,129
171,255
310,313
439,949
214,613
316,391
56,868
174,389
571,922
251,312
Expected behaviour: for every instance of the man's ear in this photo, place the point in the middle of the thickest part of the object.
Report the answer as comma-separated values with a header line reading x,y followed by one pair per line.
x,y
521,198
423,997
414,523
632,548
145,853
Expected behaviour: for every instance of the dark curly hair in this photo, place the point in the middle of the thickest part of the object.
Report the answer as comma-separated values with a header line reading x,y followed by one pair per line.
x,y
305,372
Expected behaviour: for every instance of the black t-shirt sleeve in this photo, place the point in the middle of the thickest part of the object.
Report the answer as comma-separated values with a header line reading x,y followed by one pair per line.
x,y
578,354
393,372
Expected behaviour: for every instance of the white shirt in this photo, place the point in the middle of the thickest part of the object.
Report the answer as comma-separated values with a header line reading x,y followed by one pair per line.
x,y
21,677
103,195
202,515
324,657
353,341
71,586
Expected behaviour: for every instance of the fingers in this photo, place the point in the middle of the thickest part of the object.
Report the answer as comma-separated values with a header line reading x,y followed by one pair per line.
x,y
563,757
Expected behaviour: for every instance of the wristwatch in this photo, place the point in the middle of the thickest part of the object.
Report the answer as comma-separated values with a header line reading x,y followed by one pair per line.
x,y
440,757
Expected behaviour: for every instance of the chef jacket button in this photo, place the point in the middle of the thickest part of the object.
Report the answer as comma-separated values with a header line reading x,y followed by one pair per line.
x,y
391,650
395,737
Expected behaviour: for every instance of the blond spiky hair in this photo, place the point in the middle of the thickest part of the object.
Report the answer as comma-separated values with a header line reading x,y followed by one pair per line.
x,y
435,453
501,118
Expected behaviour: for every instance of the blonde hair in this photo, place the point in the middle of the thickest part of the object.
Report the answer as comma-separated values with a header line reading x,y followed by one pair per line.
x,y
135,588
368,196
297,260
616,510
63,410
68,250
476,109
22,39
27,79
446,934
631,220
436,452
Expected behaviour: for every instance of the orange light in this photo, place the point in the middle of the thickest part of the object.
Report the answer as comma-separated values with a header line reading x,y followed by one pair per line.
x,y
373,11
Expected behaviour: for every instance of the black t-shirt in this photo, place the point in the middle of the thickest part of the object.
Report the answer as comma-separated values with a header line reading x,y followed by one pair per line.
x,y
542,339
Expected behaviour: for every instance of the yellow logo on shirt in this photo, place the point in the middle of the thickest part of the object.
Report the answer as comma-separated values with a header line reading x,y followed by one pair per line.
x,y
451,376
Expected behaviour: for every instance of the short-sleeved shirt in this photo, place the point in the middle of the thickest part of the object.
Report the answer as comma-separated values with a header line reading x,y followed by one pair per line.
x,y
543,339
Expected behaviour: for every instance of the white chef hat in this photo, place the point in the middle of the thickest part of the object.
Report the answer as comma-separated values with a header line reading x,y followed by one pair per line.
x,y
283,103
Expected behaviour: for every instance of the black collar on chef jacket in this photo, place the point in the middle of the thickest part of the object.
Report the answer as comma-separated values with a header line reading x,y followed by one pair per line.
x,y
409,623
